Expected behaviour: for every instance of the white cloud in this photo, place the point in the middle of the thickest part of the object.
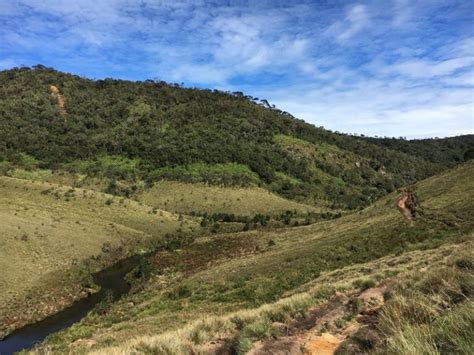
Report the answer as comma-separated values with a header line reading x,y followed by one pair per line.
x,y
357,19
374,106
402,13
419,68
200,73
462,79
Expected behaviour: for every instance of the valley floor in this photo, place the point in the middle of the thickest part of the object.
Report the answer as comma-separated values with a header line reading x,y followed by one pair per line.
x,y
362,282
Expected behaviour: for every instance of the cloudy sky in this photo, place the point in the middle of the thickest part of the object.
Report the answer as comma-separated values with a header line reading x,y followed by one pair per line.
x,y
382,67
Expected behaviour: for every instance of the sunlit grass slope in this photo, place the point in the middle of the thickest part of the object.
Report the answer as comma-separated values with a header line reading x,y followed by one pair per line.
x,y
47,230
200,198
425,308
243,271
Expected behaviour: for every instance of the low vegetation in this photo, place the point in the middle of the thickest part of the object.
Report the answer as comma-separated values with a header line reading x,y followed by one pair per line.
x,y
237,273
49,229
200,199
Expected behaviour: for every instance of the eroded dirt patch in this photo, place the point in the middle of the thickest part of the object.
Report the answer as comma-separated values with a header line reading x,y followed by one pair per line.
x,y
322,330
56,94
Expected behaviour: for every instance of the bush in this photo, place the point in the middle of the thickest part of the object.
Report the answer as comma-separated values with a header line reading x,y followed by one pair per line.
x,y
464,264
356,305
182,291
244,345
364,284
5,167
144,268
103,306
106,247
215,228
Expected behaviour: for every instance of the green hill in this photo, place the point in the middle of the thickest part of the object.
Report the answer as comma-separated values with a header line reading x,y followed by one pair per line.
x,y
257,229
152,130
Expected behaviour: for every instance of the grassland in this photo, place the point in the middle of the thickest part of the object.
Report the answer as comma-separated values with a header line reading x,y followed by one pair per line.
x,y
200,198
289,321
241,272
181,197
56,234
49,230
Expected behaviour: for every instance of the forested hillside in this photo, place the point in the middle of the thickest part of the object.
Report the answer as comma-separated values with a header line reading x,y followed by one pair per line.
x,y
152,130
444,151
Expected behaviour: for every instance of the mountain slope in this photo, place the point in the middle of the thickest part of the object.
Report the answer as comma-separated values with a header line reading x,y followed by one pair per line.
x,y
52,236
242,271
151,130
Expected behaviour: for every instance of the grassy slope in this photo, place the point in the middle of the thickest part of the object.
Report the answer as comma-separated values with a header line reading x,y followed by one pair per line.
x,y
180,197
47,228
246,270
199,198
430,275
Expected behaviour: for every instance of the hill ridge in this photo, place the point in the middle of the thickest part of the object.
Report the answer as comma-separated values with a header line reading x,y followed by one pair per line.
x,y
141,130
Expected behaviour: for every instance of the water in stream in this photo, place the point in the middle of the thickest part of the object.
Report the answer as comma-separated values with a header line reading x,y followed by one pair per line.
x,y
111,282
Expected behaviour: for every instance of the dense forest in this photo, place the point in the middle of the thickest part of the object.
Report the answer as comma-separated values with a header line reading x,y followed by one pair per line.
x,y
152,130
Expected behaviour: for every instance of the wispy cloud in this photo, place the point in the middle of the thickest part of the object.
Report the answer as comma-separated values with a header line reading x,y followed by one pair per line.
x,y
380,68
356,20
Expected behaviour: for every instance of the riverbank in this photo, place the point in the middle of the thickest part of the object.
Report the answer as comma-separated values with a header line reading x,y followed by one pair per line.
x,y
56,292
110,284
53,236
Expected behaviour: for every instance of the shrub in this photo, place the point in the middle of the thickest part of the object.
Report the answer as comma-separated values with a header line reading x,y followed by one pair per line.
x,y
144,268
103,306
182,291
259,329
244,345
106,247
464,264
364,284
5,167
356,305
215,228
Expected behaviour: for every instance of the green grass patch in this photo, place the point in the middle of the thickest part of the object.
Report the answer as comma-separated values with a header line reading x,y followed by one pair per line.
x,y
228,174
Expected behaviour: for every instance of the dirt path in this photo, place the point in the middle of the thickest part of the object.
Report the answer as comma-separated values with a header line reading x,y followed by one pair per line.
x,y
324,344
322,330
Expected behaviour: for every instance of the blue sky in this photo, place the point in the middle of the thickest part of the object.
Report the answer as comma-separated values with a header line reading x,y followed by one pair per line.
x,y
385,67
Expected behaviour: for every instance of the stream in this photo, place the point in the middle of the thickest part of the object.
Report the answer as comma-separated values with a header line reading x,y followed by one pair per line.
x,y
111,281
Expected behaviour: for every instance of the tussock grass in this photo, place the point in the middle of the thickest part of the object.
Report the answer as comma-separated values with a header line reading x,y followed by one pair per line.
x,y
251,324
413,313
432,313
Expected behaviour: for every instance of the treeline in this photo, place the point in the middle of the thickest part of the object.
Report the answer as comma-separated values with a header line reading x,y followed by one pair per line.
x,y
151,130
445,151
